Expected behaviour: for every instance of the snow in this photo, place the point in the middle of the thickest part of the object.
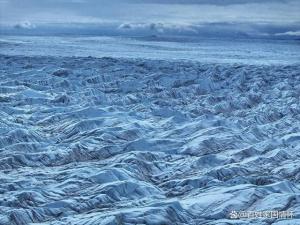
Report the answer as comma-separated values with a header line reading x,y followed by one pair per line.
x,y
245,51
110,140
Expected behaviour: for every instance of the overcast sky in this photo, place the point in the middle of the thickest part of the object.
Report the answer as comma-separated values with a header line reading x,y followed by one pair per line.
x,y
171,11
176,12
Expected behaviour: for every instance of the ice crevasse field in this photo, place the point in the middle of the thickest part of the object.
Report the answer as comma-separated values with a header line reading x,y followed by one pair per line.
x,y
115,130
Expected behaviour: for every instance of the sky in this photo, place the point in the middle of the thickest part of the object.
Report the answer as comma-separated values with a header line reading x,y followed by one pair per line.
x,y
256,17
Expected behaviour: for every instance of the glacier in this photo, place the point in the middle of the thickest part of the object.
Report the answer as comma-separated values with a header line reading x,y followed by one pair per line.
x,y
115,140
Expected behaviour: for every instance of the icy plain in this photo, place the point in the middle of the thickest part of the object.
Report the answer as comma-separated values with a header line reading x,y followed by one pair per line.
x,y
110,140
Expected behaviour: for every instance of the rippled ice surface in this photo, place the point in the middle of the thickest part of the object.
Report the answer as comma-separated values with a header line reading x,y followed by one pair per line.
x,y
146,140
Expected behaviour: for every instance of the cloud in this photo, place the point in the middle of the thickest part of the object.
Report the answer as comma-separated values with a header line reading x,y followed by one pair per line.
x,y
159,28
154,17
289,33
214,30
24,25
47,11
207,2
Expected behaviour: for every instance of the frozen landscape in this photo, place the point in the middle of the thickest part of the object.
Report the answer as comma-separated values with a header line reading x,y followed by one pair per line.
x,y
168,137
149,112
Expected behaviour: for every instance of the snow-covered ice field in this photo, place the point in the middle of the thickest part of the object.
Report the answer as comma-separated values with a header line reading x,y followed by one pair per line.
x,y
203,50
107,131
